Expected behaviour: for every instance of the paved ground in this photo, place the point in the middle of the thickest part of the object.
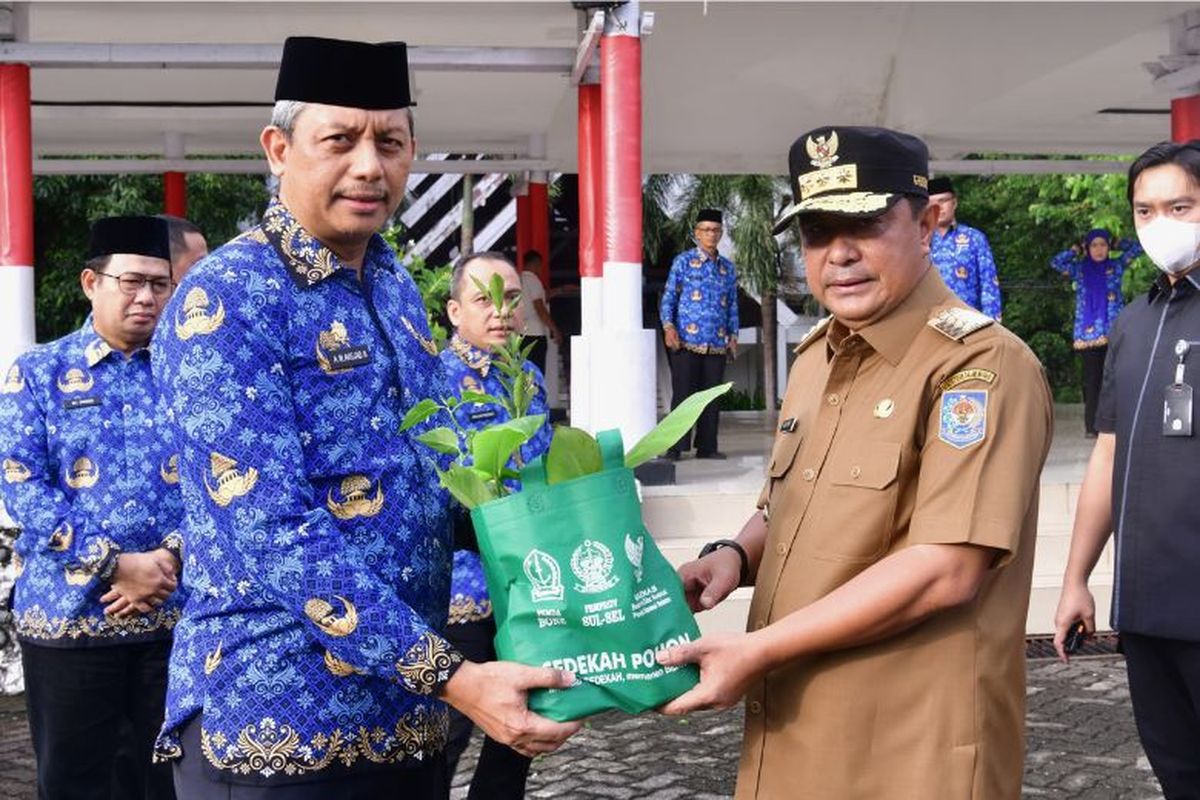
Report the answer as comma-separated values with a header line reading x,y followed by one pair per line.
x,y
1082,746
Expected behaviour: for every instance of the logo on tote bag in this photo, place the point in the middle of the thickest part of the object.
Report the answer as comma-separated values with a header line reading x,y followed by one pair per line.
x,y
545,576
592,563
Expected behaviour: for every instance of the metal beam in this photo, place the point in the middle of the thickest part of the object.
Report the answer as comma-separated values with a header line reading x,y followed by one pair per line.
x,y
1027,166
253,166
77,55
586,53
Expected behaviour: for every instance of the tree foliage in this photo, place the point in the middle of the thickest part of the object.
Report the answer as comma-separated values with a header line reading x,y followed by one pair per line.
x,y
1030,218
65,206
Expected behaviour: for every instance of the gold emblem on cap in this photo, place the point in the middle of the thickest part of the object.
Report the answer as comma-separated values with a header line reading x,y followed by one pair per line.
x,y
822,150
884,408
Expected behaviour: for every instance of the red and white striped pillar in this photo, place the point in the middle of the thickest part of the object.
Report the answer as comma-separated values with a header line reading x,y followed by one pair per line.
x,y
16,213
1185,118
175,183
620,360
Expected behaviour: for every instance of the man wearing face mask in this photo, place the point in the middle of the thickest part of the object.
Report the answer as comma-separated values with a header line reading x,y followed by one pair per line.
x,y
1143,472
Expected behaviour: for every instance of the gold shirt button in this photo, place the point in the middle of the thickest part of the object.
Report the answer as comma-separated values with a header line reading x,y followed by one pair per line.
x,y
755,707
808,474
855,471
832,399
781,548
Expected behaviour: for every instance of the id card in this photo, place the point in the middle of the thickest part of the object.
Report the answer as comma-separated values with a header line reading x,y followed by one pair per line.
x,y
1177,410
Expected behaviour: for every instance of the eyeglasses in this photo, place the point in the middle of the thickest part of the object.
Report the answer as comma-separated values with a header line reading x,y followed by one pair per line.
x,y
714,229
132,282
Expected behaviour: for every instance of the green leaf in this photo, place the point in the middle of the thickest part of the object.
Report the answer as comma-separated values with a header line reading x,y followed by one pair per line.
x,y
419,413
674,425
470,396
573,454
493,447
466,486
442,440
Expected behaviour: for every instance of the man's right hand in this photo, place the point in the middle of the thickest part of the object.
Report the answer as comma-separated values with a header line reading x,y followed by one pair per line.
x,y
141,582
494,696
709,580
1075,603
671,339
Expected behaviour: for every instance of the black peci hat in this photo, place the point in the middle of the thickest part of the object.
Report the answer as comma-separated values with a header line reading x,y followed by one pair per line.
x,y
855,171
336,72
138,236
709,215
941,185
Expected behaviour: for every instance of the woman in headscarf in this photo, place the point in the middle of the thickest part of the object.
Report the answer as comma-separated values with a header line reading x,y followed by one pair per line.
x,y
1098,301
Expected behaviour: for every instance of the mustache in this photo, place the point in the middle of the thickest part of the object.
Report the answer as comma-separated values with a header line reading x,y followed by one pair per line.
x,y
363,191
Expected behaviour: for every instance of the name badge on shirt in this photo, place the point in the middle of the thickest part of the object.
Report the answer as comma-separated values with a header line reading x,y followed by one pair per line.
x,y
1177,410
347,357
72,403
482,415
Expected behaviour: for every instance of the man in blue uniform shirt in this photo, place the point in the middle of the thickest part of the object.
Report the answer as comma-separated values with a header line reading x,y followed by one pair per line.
x,y
311,660
479,327
90,477
962,254
1141,480
699,317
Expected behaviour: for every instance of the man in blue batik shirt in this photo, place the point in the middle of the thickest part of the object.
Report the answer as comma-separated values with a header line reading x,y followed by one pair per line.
x,y
478,329
962,254
311,660
90,477
699,317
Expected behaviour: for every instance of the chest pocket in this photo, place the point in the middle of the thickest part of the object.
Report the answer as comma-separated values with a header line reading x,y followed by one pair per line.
x,y
857,507
783,454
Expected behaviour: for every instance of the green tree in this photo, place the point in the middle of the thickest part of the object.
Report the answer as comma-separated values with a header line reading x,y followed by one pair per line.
x,y
1028,219
65,206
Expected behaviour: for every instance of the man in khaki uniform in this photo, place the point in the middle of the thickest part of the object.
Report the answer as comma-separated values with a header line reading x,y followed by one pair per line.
x,y
893,554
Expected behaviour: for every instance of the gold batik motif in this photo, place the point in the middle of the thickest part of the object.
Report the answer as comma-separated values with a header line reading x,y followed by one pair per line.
x,y
169,470
356,500
427,344
34,623
427,664
197,319
273,748
231,482
340,668
477,360
324,616
212,660
14,381
465,609
96,350
304,256
83,474
75,380
15,471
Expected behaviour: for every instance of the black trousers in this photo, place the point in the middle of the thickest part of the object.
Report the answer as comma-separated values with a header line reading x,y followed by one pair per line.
x,y
538,354
1093,376
691,373
94,713
501,771
1164,683
195,781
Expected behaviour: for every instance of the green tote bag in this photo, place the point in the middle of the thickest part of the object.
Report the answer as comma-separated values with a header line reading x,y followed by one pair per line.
x,y
577,583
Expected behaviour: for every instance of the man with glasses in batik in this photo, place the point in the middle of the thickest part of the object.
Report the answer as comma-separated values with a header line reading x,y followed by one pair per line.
x,y
91,478
699,316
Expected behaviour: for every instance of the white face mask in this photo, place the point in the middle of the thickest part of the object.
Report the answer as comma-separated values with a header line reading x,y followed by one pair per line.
x,y
1173,245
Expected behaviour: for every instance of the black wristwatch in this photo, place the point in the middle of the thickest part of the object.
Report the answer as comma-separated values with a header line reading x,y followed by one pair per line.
x,y
713,547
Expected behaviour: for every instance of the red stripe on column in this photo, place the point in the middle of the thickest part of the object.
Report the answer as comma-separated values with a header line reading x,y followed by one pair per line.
x,y
1185,118
621,120
539,226
16,167
175,194
591,245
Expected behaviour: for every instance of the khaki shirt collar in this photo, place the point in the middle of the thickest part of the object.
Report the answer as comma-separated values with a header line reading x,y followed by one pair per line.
x,y
892,335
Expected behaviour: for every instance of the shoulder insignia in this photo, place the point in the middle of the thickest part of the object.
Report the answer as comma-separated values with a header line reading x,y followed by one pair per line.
x,y
957,323
814,333
964,375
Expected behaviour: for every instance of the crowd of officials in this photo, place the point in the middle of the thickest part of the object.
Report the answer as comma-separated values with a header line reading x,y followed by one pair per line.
x,y
238,578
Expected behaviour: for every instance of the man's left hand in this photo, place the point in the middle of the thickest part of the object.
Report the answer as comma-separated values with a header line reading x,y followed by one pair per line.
x,y
732,347
728,663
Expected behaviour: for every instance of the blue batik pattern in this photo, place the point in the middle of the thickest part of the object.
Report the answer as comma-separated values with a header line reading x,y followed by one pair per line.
x,y
89,473
318,541
964,258
700,301
469,369
1098,298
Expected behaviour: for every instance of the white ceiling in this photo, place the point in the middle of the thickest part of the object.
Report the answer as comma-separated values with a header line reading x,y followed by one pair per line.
x,y
727,86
